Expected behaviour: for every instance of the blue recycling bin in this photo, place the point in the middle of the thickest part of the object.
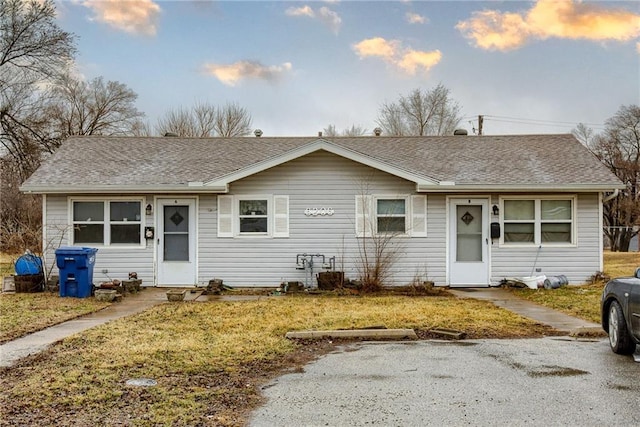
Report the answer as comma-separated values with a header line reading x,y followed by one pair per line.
x,y
76,270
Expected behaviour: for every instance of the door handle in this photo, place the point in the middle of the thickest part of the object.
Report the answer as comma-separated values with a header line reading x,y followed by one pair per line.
x,y
486,240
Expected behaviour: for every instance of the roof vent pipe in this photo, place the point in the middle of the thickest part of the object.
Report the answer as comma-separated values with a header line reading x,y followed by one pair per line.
x,y
460,132
171,134
377,131
319,134
257,133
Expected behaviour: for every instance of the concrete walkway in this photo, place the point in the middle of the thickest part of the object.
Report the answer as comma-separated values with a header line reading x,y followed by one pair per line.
x,y
507,300
12,351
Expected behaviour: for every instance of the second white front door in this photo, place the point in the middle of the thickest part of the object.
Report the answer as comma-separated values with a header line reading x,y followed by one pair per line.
x,y
468,242
176,239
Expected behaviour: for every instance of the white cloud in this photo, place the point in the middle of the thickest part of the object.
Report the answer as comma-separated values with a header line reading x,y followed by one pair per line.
x,y
495,30
377,46
131,16
411,60
392,52
232,74
414,18
330,18
300,11
326,16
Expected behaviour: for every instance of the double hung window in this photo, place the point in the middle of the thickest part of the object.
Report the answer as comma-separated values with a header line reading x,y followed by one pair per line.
x,y
107,222
261,216
538,221
254,216
404,216
391,216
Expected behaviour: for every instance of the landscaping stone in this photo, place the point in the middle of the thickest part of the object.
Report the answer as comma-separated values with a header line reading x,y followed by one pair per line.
x,y
105,295
176,295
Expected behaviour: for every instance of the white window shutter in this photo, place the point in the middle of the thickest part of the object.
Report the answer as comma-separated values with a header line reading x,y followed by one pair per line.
x,y
280,216
364,216
225,216
418,216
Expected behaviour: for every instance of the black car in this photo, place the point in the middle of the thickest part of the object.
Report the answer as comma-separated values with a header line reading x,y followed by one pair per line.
x,y
620,310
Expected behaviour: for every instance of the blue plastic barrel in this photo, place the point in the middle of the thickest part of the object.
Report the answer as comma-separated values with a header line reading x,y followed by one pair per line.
x,y
28,264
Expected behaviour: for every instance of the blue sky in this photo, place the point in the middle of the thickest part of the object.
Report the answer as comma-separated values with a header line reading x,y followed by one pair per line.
x,y
299,66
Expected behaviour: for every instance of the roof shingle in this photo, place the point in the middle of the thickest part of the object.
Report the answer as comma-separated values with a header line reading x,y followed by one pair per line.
x,y
516,160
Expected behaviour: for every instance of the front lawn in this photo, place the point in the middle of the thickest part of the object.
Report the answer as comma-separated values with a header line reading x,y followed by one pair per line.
x,y
584,301
24,313
209,358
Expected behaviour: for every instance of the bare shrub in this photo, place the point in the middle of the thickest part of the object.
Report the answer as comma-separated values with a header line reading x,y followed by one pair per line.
x,y
20,214
378,245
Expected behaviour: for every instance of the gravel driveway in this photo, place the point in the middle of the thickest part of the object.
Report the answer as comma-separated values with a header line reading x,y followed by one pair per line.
x,y
549,381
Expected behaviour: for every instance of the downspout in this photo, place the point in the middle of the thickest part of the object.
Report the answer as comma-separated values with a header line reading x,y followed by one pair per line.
x,y
611,196
600,221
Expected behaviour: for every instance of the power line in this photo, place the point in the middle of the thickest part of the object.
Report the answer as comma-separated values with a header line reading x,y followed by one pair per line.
x,y
551,124
525,120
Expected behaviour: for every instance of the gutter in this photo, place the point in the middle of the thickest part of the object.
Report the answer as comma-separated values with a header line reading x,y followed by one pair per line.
x,y
134,189
501,188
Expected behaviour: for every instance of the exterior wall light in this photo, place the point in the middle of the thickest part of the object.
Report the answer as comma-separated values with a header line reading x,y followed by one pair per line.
x,y
496,210
149,209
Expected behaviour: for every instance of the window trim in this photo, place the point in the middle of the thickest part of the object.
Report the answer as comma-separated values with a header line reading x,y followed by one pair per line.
x,y
106,222
538,221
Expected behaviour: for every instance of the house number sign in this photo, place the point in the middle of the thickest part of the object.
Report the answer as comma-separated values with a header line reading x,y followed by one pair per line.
x,y
318,211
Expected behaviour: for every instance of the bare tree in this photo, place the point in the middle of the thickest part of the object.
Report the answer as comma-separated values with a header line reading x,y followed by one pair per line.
x,y
180,122
205,120
93,108
32,46
584,134
41,104
331,131
232,120
33,50
618,147
421,112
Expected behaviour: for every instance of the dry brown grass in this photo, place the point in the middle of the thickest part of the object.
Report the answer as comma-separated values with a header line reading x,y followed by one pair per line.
x,y
22,313
584,301
200,352
618,264
6,264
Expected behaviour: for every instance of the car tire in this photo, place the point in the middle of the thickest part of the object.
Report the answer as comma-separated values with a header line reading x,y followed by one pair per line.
x,y
619,336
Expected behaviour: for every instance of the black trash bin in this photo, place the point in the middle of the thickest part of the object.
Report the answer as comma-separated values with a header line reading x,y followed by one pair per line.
x,y
76,270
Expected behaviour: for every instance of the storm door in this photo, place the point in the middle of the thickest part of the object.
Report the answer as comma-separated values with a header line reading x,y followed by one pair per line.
x,y
468,242
176,242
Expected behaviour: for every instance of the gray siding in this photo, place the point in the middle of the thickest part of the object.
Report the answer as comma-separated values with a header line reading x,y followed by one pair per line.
x,y
119,261
577,263
315,181
325,180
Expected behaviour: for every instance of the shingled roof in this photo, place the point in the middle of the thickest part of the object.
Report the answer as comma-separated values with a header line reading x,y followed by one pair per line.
x,y
435,163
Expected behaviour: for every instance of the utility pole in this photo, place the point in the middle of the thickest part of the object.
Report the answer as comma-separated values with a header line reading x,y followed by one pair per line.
x,y
480,120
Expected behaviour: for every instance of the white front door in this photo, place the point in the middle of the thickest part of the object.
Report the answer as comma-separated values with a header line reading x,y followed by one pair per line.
x,y
176,234
468,242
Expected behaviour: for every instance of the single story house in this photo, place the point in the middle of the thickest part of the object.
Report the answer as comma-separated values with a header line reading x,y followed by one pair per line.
x,y
259,211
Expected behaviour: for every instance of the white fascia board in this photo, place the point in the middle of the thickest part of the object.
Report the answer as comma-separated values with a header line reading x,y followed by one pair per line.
x,y
121,189
497,188
312,147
